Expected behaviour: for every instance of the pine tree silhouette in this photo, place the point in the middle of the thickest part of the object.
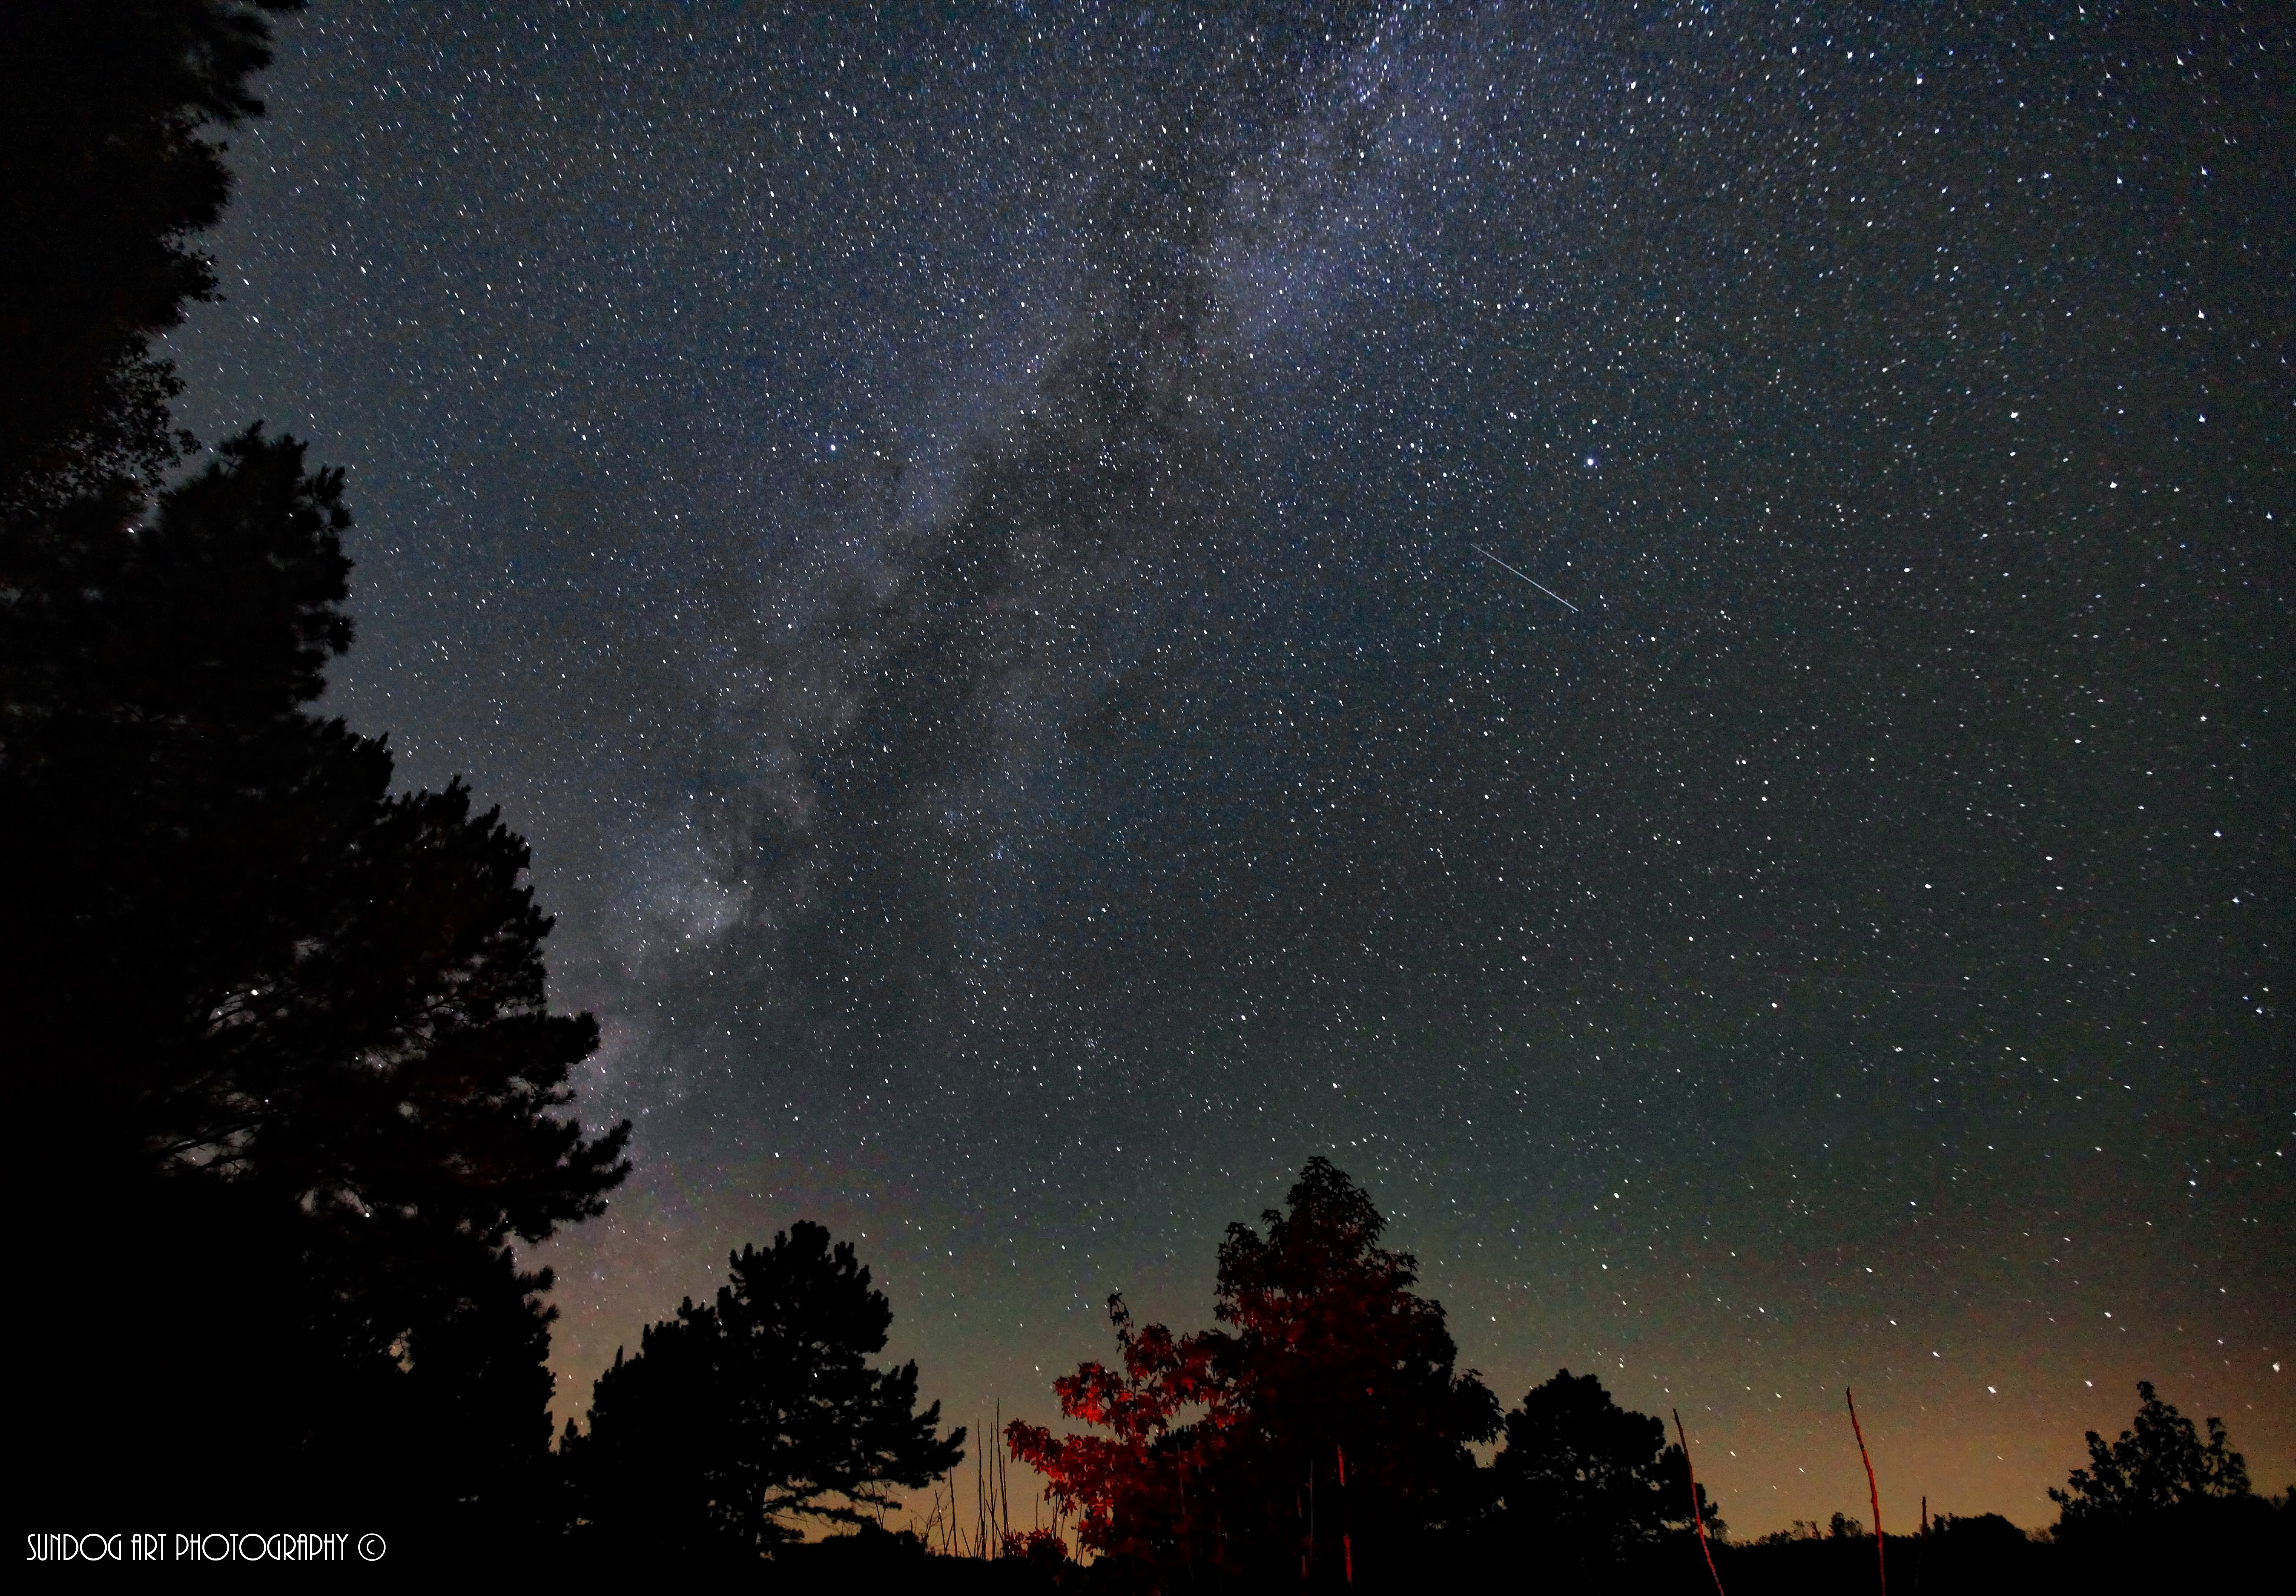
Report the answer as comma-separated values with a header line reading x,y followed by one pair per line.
x,y
105,171
740,1419
284,1033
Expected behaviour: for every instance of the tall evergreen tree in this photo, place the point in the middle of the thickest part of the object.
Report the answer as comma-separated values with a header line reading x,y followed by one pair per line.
x,y
740,1419
261,1007
106,171
278,1037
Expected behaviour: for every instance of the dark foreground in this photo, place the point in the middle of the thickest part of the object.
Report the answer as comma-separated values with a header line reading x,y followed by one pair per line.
x,y
2224,1551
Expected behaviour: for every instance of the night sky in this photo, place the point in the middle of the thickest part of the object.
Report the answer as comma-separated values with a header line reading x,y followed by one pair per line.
x,y
971,545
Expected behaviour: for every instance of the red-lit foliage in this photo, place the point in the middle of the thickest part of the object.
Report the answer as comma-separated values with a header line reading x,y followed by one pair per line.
x,y
1330,1421
1126,1487
1331,1351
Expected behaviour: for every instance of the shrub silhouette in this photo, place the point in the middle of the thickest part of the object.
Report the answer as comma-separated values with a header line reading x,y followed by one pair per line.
x,y
2159,1466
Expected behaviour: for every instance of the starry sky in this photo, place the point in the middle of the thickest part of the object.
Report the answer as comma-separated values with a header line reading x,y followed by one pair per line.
x,y
1664,628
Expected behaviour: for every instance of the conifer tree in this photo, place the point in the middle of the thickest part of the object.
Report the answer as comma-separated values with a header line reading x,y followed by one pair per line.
x,y
740,1419
107,168
261,1007
277,1037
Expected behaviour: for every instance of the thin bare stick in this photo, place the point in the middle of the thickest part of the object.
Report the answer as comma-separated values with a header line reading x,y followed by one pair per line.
x,y
1880,1558
1697,1508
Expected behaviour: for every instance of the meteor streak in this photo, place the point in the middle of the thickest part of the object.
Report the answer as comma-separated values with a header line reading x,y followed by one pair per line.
x,y
1534,581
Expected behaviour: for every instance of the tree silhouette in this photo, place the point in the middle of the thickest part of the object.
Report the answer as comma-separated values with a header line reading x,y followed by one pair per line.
x,y
738,1418
280,1035
1333,1426
1332,1356
2159,1466
284,1030
1587,1478
104,172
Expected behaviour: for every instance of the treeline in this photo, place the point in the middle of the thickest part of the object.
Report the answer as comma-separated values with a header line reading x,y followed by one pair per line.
x,y
1323,1435
1320,1436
